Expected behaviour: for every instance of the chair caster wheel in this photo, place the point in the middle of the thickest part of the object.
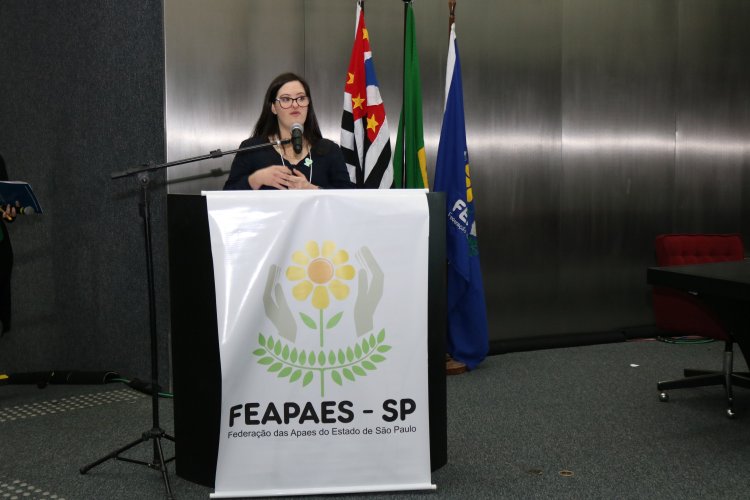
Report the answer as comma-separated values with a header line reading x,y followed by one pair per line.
x,y
730,413
663,397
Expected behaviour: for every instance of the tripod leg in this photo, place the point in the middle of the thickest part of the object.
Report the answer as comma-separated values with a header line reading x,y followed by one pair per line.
x,y
163,468
114,454
167,436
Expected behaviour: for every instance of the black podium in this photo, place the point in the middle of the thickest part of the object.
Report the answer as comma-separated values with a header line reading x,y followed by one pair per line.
x,y
196,368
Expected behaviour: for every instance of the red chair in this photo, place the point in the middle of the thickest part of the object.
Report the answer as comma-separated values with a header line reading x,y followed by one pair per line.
x,y
682,313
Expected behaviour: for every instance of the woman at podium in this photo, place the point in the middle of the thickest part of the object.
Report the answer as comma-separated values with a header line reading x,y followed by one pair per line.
x,y
308,162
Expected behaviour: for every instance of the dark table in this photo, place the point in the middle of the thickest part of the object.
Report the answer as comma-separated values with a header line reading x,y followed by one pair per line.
x,y
723,286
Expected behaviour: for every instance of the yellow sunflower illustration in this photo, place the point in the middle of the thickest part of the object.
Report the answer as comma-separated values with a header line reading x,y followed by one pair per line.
x,y
320,269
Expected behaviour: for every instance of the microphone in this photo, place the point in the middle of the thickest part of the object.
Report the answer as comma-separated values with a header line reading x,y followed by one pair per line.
x,y
297,131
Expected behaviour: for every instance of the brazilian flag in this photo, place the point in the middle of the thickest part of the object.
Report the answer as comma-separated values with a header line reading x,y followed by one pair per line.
x,y
409,160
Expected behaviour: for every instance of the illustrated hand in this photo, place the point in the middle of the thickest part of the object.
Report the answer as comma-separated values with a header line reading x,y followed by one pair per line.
x,y
368,294
276,306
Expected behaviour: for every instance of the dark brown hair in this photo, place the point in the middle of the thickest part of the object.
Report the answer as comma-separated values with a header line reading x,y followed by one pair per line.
x,y
268,124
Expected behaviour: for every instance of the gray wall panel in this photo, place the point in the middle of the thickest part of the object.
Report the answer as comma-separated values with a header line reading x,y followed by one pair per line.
x,y
593,125
220,58
618,91
510,52
713,119
327,53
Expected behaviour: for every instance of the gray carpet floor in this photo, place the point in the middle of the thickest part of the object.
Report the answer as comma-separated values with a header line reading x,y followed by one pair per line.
x,y
573,423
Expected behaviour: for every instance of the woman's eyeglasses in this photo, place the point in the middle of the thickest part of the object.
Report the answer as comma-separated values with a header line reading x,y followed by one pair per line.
x,y
286,102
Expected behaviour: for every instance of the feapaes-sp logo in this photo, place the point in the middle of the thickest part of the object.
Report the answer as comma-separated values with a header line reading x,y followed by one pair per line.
x,y
321,279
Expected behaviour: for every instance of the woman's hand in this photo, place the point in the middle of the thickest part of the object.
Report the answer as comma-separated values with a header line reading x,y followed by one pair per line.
x,y
300,181
279,177
275,176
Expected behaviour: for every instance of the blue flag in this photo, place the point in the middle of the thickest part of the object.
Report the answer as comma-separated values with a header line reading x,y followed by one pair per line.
x,y
468,339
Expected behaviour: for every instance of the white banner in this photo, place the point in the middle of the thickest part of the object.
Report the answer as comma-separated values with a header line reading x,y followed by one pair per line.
x,y
321,302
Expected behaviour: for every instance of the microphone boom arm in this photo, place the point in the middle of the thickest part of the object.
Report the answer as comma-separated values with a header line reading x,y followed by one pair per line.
x,y
216,153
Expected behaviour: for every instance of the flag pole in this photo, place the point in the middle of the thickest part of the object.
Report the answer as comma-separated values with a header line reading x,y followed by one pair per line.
x,y
403,104
451,14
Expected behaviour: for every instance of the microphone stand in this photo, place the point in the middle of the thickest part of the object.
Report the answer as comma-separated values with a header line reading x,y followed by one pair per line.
x,y
142,175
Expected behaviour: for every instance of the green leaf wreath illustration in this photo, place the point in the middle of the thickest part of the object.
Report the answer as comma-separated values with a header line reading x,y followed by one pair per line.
x,y
340,365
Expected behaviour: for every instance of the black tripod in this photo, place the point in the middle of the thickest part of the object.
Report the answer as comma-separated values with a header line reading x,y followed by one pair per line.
x,y
156,433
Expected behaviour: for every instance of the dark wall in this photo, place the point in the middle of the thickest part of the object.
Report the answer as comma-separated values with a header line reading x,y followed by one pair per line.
x,y
82,96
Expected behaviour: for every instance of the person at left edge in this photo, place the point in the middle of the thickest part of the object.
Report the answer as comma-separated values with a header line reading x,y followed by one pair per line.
x,y
320,164
6,257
